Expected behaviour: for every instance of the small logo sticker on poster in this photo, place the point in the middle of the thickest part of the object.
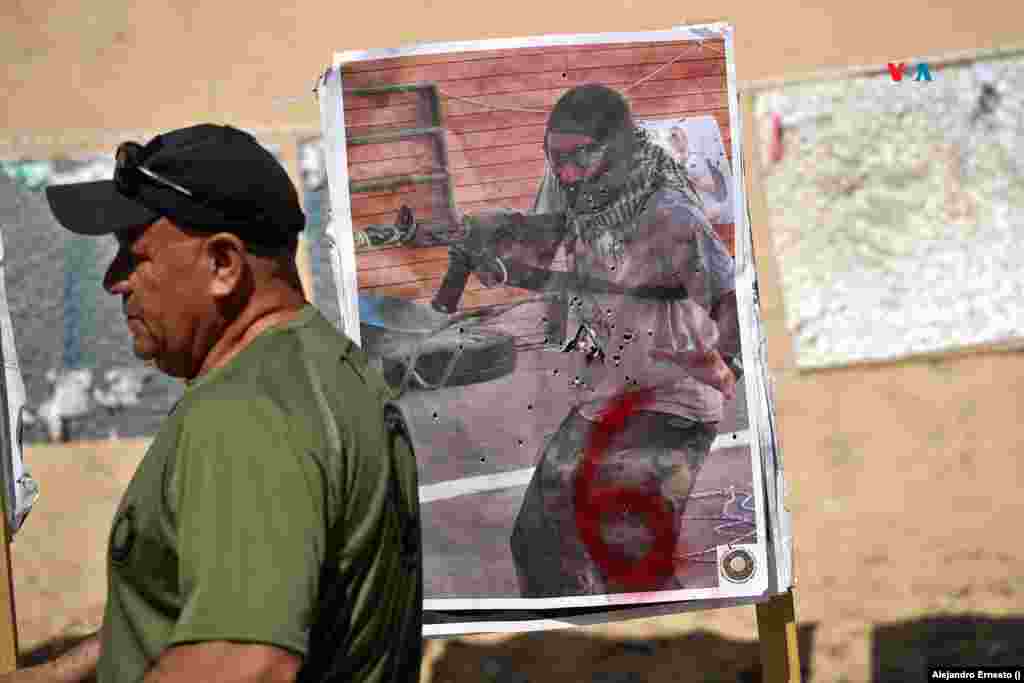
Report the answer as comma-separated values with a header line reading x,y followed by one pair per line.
x,y
738,565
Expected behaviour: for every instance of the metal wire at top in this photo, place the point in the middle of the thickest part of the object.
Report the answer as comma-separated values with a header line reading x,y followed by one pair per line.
x,y
700,44
529,110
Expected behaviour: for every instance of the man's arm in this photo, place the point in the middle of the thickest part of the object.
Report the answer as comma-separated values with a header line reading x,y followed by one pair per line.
x,y
715,277
77,664
225,662
726,315
704,363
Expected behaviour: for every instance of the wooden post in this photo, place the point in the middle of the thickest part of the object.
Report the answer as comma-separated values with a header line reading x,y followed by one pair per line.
x,y
8,621
776,629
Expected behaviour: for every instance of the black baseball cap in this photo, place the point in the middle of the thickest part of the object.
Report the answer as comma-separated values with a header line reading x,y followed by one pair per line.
x,y
207,177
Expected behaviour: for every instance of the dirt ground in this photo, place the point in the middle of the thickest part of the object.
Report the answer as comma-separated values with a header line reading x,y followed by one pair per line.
x,y
902,558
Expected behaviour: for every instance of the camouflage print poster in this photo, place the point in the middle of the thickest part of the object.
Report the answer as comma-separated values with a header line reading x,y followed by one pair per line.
x,y
564,303
896,203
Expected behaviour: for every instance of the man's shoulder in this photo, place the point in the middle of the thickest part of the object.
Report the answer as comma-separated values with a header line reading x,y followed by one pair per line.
x,y
269,375
292,378
669,211
229,405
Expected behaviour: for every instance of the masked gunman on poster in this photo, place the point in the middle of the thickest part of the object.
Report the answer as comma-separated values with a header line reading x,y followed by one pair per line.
x,y
647,295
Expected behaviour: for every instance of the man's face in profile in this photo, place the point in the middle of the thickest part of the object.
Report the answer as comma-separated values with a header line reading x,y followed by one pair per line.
x,y
157,274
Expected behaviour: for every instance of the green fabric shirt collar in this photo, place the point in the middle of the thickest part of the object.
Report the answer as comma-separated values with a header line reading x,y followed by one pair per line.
x,y
306,315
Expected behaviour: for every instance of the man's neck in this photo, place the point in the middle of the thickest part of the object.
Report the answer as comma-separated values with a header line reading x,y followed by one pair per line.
x,y
247,327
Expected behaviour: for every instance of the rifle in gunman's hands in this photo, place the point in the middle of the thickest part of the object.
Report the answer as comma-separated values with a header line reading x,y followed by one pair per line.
x,y
489,248
516,249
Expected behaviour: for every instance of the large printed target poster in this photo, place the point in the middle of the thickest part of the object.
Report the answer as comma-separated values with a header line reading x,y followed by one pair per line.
x,y
537,241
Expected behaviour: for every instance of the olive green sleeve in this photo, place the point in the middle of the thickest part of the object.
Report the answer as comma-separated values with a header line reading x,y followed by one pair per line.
x,y
250,523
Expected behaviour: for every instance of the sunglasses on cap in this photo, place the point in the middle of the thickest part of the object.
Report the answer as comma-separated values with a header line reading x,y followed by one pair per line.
x,y
130,173
583,156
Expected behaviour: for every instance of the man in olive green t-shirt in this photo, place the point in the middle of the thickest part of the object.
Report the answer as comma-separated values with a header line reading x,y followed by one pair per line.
x,y
271,532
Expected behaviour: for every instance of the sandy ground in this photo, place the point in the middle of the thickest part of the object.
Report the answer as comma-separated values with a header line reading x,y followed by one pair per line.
x,y
894,554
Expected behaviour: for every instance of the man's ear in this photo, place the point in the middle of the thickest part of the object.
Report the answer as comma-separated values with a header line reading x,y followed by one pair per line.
x,y
224,254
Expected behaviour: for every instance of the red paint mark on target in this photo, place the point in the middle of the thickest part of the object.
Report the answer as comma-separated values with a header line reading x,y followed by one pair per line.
x,y
592,501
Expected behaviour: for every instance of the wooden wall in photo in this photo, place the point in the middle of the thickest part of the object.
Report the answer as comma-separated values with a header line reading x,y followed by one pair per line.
x,y
494,107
